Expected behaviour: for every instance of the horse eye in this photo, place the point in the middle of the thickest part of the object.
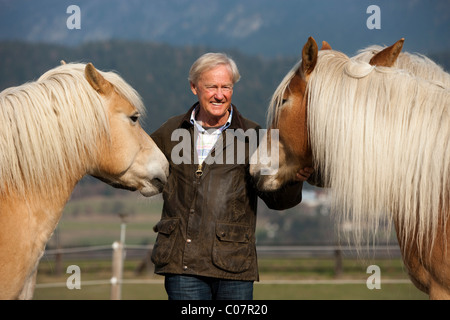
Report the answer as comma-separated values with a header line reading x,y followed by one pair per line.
x,y
134,118
283,101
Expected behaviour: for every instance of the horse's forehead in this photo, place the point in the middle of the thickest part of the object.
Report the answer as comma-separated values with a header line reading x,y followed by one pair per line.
x,y
297,86
122,104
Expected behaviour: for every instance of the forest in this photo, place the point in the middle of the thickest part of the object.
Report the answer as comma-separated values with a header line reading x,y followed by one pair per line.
x,y
157,71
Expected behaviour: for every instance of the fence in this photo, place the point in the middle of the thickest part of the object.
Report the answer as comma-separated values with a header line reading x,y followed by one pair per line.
x,y
118,252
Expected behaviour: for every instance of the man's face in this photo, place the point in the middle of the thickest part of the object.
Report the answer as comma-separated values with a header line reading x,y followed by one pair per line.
x,y
214,90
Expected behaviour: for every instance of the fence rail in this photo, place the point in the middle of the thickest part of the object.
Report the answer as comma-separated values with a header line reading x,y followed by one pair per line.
x,y
392,251
118,253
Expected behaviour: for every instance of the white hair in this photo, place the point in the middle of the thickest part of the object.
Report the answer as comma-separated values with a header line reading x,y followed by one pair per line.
x,y
417,64
209,61
49,127
380,140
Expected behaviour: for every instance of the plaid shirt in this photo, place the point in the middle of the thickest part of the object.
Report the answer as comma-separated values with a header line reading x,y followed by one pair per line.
x,y
206,139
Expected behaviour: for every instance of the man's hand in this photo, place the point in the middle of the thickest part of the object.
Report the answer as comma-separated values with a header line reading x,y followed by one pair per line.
x,y
304,174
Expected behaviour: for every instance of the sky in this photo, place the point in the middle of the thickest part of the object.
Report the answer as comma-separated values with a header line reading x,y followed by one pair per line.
x,y
261,27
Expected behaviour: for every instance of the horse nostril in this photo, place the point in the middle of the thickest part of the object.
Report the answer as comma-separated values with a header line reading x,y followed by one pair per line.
x,y
158,183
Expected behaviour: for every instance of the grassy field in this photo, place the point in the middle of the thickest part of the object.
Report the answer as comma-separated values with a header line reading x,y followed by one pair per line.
x,y
95,221
281,279
261,292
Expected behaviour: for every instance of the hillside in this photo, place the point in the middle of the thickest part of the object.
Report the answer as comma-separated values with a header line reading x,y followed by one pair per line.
x,y
157,71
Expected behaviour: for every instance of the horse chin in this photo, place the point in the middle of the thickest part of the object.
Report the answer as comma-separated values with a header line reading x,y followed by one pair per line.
x,y
271,185
152,188
267,183
114,184
148,189
266,178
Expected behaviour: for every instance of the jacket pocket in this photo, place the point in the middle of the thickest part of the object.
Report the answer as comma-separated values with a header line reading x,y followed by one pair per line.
x,y
233,250
165,241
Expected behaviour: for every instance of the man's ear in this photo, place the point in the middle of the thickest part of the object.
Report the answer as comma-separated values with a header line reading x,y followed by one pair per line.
x,y
193,88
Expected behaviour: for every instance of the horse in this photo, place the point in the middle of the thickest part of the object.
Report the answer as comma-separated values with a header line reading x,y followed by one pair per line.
x,y
378,137
414,63
73,121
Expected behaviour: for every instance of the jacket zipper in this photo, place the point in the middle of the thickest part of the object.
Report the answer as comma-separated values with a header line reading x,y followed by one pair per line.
x,y
199,171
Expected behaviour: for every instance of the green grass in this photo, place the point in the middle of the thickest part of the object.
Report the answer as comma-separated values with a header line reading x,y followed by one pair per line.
x,y
295,275
261,292
336,292
95,221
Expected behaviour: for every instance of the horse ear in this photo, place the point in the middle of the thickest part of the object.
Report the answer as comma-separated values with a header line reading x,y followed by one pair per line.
x,y
325,46
96,80
388,56
309,56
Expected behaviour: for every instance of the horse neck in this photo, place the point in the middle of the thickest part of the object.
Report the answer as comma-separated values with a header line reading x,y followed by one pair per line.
x,y
41,208
26,225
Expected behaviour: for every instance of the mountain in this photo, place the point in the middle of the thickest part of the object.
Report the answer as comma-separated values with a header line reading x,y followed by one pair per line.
x,y
259,27
157,71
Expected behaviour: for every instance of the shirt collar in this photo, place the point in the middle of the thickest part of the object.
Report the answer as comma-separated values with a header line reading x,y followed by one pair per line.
x,y
200,127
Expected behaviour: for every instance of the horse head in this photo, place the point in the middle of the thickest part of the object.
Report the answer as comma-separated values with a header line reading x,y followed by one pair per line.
x,y
128,158
288,114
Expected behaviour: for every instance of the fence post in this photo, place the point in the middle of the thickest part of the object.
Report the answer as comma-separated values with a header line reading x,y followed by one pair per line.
x,y
118,260
338,262
117,267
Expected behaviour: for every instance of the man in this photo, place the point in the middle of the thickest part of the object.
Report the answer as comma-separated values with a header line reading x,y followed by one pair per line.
x,y
206,237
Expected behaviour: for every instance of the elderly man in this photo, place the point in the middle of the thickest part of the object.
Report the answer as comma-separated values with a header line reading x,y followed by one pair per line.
x,y
205,246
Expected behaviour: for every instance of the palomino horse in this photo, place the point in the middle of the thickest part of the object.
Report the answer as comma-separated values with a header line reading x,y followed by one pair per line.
x,y
73,121
417,64
378,136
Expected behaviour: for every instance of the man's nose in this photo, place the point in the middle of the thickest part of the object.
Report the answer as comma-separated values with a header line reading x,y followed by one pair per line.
x,y
219,94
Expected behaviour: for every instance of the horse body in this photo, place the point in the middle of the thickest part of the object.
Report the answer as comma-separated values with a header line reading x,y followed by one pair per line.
x,y
379,139
73,121
430,272
25,230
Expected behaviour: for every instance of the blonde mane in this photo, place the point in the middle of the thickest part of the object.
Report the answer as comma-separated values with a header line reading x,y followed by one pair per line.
x,y
380,140
50,127
277,97
415,63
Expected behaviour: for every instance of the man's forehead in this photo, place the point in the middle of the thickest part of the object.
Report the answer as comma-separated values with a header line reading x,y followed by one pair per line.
x,y
220,73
